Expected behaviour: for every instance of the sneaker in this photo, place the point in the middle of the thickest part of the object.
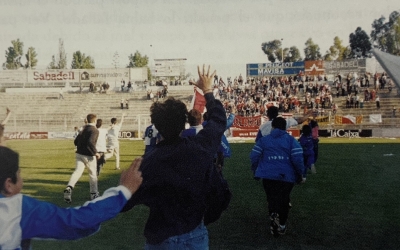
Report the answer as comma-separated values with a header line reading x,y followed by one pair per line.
x,y
94,195
313,169
68,194
282,229
274,218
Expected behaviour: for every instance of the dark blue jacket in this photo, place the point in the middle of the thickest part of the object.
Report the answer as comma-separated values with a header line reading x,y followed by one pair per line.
x,y
175,178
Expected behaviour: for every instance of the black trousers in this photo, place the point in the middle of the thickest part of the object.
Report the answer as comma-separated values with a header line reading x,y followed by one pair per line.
x,y
278,197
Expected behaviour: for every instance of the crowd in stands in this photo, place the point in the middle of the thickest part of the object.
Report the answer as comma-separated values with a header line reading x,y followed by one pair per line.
x,y
297,93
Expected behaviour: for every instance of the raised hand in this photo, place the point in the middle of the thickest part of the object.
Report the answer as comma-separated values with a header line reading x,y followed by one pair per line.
x,y
132,177
205,81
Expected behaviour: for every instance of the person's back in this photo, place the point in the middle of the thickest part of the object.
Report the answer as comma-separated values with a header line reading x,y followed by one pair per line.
x,y
194,120
278,154
176,174
307,143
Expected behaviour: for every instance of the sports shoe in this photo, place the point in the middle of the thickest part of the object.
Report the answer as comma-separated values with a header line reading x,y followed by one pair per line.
x,y
282,229
274,218
94,195
68,194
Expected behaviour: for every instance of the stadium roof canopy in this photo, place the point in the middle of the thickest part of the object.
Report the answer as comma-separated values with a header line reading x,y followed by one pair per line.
x,y
390,63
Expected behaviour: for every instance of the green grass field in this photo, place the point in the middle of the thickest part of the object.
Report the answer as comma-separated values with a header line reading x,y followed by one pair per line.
x,y
351,203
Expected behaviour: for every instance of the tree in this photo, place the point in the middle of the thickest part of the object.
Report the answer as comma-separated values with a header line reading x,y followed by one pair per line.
x,y
384,35
81,61
272,49
137,60
311,51
377,28
53,63
292,54
396,35
14,54
59,61
62,57
336,51
393,17
31,60
359,43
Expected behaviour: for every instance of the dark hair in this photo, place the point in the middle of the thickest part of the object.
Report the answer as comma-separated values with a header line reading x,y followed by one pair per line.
x,y
313,123
205,116
194,117
306,130
169,117
113,120
279,123
272,112
99,123
9,166
91,118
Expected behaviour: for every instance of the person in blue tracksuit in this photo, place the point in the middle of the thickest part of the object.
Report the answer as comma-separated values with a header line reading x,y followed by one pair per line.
x,y
23,217
277,159
307,143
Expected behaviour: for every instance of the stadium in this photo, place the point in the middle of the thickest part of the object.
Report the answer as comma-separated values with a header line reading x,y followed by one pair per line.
x,y
350,201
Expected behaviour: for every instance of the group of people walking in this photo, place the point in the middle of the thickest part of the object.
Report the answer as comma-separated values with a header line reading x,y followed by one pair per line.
x,y
179,177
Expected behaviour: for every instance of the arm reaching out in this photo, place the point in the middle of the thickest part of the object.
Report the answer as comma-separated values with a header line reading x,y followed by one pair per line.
x,y
7,117
122,119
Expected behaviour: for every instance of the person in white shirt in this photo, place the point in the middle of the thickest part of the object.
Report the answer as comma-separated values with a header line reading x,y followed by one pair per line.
x,y
101,145
2,124
112,140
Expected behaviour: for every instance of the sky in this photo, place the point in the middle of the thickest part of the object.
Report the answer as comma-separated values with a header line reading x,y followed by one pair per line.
x,y
226,34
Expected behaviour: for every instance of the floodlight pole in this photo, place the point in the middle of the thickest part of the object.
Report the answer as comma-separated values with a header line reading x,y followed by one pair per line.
x,y
282,51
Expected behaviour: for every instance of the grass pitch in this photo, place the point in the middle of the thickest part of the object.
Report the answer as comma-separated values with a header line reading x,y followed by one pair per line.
x,y
352,202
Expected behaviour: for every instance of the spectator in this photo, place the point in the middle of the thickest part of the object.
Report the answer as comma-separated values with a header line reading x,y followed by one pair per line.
x,y
279,169
151,96
23,217
194,119
91,87
61,96
126,103
265,129
175,173
378,102
122,85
